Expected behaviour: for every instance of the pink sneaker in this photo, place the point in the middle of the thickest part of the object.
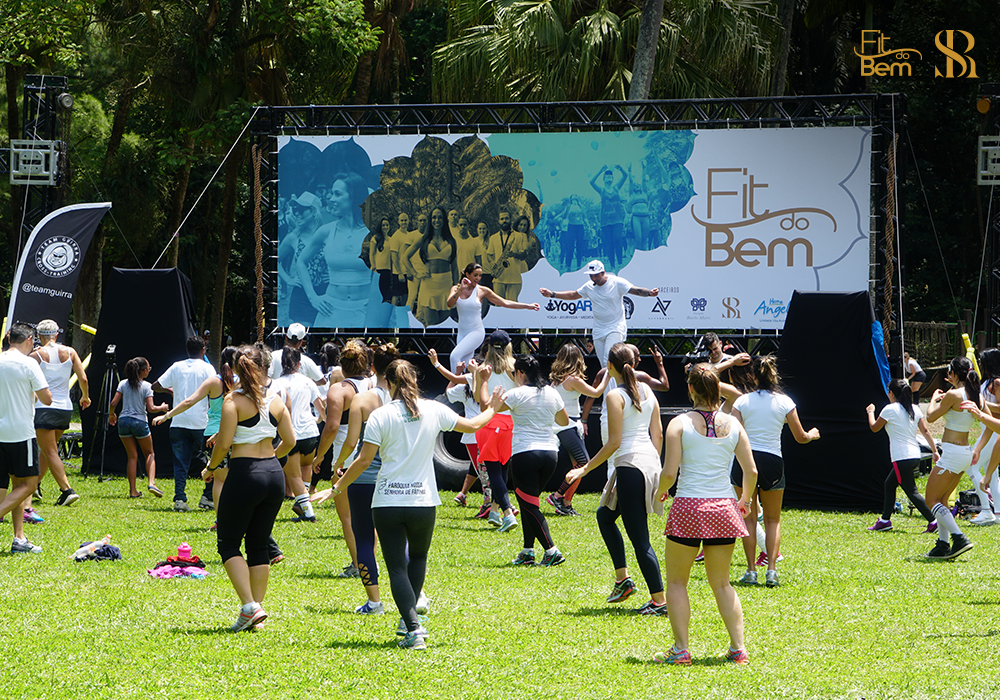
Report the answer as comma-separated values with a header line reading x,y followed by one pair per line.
x,y
762,559
737,656
681,657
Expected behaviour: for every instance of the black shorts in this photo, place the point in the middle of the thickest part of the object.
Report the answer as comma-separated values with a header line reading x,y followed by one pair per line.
x,y
52,418
920,376
698,542
770,471
305,446
18,459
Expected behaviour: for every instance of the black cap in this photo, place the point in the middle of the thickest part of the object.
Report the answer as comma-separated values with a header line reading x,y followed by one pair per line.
x,y
499,339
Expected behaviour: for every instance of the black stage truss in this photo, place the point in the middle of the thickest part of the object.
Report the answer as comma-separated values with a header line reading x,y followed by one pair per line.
x,y
883,113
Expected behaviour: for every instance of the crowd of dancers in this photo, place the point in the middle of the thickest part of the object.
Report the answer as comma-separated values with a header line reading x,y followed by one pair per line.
x,y
270,420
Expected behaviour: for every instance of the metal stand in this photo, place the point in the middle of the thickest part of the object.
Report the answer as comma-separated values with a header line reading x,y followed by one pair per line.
x,y
109,384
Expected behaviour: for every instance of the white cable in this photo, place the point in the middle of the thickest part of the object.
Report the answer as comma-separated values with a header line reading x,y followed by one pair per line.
x,y
207,185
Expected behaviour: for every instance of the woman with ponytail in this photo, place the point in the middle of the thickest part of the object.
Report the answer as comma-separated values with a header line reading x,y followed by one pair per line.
x,y
956,455
215,388
403,433
534,407
495,442
902,420
255,487
360,493
764,413
136,395
635,438
699,447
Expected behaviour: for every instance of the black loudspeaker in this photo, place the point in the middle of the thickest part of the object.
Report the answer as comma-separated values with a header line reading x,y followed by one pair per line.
x,y
830,367
144,313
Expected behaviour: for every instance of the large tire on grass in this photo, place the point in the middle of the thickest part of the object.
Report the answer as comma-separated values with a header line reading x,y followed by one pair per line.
x,y
451,459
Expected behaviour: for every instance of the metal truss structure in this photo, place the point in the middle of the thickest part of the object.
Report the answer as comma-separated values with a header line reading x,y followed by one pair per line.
x,y
882,113
991,92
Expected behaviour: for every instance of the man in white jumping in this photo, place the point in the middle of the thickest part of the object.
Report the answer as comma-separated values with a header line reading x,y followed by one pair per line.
x,y
605,293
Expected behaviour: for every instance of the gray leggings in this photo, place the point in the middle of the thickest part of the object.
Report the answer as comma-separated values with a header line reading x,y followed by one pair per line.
x,y
400,529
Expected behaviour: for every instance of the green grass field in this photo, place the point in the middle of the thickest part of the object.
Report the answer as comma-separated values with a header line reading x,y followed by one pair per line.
x,y
858,615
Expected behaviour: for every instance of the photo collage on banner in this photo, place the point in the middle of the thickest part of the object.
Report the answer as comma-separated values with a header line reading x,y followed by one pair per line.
x,y
375,230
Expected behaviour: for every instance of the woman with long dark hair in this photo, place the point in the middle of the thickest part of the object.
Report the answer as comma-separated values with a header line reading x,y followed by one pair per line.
x,y
956,455
136,395
901,420
255,487
467,298
568,375
700,445
360,493
534,408
764,413
403,434
635,438
437,250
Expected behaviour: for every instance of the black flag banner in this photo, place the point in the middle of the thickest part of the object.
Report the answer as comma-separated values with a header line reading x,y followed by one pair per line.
x,y
46,276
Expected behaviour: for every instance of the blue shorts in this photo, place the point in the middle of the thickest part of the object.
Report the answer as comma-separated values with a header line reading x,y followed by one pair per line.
x,y
133,427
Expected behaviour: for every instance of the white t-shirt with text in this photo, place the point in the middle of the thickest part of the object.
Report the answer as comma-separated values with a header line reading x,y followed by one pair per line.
x,y
406,446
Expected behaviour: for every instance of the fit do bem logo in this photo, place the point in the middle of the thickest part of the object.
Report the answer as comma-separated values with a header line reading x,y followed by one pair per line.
x,y
877,58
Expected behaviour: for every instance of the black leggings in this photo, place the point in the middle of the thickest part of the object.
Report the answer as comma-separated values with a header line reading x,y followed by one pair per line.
x,y
531,471
630,485
399,527
249,503
360,498
572,443
498,482
902,475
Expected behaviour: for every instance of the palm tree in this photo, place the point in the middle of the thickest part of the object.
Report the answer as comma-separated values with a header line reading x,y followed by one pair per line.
x,y
536,50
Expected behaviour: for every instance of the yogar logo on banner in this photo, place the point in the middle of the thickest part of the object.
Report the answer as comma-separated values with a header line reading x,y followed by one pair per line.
x,y
569,307
57,256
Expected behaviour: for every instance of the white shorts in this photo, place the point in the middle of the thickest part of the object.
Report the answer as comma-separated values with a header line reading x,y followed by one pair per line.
x,y
954,458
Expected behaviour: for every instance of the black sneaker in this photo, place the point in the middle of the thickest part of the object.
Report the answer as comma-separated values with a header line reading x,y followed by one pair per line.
x,y
67,498
554,559
568,509
959,545
941,550
38,492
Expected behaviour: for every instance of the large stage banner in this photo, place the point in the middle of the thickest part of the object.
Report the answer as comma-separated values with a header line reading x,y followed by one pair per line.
x,y
374,230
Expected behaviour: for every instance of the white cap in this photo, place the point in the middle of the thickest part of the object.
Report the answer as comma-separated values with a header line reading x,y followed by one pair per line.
x,y
306,199
594,267
296,331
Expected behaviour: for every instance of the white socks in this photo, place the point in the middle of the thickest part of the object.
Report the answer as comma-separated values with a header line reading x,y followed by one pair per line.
x,y
761,538
946,522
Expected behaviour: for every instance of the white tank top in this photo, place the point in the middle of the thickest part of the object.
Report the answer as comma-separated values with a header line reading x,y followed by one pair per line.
x,y
470,314
705,462
57,374
635,423
571,399
959,421
263,429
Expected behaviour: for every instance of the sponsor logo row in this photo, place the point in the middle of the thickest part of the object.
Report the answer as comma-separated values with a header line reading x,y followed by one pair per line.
x,y
731,308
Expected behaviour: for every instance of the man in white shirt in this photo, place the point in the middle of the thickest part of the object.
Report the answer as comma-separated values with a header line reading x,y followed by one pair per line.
x,y
605,293
21,382
187,430
295,337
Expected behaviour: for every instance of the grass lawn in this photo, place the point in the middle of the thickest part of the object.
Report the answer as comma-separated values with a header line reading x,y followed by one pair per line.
x,y
858,615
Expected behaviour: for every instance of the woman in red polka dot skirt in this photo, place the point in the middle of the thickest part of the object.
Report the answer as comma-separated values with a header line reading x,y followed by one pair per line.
x,y
705,513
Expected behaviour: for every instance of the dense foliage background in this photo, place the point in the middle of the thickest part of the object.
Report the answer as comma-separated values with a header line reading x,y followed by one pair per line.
x,y
163,89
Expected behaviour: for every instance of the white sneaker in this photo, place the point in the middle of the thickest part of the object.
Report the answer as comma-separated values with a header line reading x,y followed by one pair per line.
x,y
370,608
983,519
423,605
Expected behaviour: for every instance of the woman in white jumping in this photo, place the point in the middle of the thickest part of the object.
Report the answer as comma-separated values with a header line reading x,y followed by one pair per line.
x,y
467,298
